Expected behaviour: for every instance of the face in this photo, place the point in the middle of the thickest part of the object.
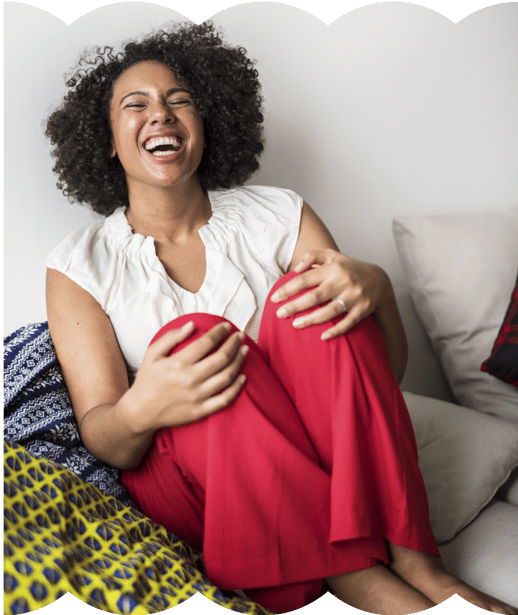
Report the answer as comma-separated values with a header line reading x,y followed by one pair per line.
x,y
157,130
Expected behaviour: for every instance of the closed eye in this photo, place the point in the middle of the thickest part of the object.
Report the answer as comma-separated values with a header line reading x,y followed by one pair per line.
x,y
173,103
179,101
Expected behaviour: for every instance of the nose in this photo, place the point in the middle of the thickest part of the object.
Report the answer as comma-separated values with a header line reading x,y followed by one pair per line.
x,y
161,113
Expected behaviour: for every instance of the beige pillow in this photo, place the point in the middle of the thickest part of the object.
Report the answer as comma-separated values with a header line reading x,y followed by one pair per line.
x,y
460,269
509,491
464,457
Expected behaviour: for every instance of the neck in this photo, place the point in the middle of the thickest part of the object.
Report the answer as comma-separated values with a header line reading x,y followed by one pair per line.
x,y
168,213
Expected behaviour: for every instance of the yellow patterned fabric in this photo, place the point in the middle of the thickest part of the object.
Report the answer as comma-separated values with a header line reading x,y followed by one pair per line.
x,y
63,534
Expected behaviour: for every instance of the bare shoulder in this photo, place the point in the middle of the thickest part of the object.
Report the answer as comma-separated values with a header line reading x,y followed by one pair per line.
x,y
85,343
313,235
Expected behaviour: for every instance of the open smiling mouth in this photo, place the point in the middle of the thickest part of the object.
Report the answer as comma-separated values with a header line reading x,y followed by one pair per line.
x,y
163,146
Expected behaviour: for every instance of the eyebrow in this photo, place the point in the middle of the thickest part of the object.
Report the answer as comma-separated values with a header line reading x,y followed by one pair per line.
x,y
142,93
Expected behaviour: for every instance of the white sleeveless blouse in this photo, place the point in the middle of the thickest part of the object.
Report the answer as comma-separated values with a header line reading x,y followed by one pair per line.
x,y
249,243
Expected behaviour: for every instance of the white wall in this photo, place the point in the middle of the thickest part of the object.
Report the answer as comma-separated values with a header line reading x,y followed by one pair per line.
x,y
392,109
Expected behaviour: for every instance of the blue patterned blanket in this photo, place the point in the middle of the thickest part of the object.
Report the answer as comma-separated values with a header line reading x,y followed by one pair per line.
x,y
38,413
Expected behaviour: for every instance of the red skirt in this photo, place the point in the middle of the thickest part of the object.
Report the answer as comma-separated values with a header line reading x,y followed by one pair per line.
x,y
306,475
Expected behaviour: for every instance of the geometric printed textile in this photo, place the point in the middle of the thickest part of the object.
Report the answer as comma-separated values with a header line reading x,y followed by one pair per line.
x,y
63,534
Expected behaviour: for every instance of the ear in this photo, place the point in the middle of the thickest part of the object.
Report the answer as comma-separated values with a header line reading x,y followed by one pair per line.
x,y
113,151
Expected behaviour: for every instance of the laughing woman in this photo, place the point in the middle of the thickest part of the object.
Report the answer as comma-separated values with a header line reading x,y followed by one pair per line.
x,y
263,424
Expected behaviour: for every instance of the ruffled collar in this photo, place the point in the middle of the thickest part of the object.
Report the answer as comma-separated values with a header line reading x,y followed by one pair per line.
x,y
224,290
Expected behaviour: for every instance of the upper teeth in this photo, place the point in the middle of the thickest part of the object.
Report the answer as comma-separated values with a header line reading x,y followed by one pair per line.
x,y
156,141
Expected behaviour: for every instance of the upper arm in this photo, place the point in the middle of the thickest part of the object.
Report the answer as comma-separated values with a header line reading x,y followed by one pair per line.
x,y
90,358
313,235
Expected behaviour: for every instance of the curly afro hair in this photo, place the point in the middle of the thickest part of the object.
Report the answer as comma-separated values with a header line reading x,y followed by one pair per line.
x,y
225,88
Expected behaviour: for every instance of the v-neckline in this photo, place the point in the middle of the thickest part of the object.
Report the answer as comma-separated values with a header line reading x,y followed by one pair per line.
x,y
150,240
170,280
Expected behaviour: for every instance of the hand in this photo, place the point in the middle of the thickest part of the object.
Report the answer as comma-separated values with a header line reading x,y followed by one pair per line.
x,y
332,275
174,389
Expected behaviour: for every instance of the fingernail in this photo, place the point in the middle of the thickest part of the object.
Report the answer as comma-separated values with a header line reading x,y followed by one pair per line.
x,y
298,322
275,297
242,379
226,326
282,312
325,336
187,325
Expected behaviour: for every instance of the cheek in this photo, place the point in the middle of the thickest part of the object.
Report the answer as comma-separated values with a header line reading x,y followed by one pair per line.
x,y
200,134
124,137
194,122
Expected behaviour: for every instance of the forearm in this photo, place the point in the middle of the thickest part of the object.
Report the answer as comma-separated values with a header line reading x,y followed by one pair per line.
x,y
389,322
111,436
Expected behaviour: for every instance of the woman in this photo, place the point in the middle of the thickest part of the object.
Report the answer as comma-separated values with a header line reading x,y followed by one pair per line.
x,y
308,472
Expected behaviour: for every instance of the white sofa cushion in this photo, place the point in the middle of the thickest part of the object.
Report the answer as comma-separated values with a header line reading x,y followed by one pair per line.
x,y
464,457
509,491
461,269
485,554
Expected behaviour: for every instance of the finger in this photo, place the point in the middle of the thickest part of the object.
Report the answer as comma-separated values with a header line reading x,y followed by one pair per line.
x,y
302,266
202,346
307,261
221,358
309,278
323,314
223,399
315,296
347,323
165,344
313,257
305,280
225,377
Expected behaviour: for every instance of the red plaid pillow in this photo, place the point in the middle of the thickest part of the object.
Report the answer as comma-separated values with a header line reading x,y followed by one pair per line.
x,y
503,361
